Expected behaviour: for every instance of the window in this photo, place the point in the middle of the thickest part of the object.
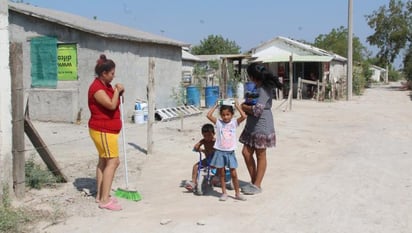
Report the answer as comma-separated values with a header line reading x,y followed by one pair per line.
x,y
43,55
52,62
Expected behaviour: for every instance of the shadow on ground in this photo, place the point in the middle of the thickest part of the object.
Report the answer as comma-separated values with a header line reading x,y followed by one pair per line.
x,y
85,183
137,147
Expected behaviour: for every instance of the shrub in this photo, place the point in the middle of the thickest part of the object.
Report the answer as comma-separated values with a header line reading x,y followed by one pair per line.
x,y
358,80
36,176
11,219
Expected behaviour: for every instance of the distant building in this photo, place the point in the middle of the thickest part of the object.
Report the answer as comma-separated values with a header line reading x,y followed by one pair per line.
x,y
189,61
378,73
60,52
306,59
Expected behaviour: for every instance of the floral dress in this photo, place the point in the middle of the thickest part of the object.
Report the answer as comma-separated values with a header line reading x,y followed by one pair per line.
x,y
259,131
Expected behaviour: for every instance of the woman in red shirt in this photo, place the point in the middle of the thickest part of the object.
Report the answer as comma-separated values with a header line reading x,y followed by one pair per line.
x,y
104,127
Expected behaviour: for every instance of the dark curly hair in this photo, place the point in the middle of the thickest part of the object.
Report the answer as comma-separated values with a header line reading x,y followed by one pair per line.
x,y
208,128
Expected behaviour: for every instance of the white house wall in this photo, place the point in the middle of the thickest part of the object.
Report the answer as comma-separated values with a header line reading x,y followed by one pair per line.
x,y
5,102
131,58
188,66
376,75
337,71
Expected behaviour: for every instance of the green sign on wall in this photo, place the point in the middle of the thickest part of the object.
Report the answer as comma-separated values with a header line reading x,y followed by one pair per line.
x,y
67,62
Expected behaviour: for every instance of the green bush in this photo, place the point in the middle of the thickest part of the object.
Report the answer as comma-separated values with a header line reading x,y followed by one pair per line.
x,y
11,219
394,76
358,80
36,176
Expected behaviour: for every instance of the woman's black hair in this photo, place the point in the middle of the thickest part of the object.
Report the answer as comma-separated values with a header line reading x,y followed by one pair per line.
x,y
259,72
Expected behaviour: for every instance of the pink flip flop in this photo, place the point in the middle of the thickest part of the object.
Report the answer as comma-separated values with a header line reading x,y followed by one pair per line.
x,y
111,198
111,206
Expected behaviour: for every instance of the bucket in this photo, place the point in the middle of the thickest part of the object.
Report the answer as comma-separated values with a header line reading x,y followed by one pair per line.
x,y
145,114
138,117
211,95
193,96
240,91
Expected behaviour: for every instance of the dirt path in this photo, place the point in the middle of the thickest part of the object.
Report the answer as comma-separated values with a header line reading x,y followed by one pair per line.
x,y
338,167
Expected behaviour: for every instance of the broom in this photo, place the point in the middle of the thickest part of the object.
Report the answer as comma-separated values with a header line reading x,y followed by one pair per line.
x,y
132,195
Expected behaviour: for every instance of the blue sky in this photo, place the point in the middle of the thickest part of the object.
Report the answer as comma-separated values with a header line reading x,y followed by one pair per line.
x,y
248,23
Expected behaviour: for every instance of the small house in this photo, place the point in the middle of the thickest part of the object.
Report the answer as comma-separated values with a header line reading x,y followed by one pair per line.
x,y
60,51
378,73
307,61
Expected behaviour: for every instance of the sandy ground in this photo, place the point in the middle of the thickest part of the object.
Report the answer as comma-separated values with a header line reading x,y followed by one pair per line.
x,y
341,167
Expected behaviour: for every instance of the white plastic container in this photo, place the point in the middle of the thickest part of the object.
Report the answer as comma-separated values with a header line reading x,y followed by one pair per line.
x,y
229,102
240,91
139,117
145,114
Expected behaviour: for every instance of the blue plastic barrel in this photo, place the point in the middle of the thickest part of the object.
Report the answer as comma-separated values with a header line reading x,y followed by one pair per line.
x,y
211,95
229,91
193,96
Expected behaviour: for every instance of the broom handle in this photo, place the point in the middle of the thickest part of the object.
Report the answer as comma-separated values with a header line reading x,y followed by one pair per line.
x,y
124,142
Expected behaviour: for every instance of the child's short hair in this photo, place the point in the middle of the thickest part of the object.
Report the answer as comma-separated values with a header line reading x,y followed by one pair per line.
x,y
208,128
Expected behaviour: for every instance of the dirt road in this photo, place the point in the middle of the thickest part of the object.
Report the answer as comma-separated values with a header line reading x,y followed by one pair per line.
x,y
341,167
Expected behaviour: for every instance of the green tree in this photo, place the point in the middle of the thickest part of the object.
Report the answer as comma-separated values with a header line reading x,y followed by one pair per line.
x,y
407,60
337,42
392,27
215,44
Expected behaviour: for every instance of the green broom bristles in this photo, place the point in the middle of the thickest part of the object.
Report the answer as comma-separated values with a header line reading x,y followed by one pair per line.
x,y
128,194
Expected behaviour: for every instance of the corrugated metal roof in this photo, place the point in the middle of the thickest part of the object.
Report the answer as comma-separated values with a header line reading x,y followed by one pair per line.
x,y
188,56
220,56
378,68
280,48
276,54
97,27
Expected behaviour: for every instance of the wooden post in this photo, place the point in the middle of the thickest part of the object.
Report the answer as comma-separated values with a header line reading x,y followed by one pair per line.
x,y
281,80
290,97
224,71
324,87
151,105
43,151
299,94
387,74
17,102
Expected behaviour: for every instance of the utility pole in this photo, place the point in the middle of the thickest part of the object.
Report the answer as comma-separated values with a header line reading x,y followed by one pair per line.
x,y
349,69
17,101
151,105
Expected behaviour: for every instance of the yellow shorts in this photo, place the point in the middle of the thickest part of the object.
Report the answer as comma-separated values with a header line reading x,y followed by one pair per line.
x,y
106,143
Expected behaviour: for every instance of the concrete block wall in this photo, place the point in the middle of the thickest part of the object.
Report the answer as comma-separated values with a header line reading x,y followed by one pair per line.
x,y
5,102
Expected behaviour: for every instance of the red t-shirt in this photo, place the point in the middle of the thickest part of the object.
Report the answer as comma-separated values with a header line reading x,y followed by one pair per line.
x,y
101,118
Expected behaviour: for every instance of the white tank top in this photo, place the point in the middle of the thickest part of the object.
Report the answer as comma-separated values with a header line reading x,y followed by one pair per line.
x,y
226,135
